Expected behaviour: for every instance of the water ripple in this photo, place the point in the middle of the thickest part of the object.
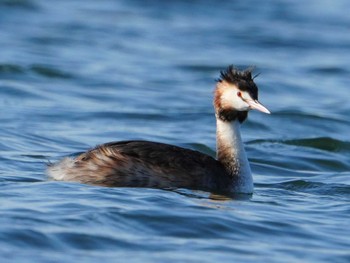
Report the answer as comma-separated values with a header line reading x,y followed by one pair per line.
x,y
21,4
6,70
73,75
322,143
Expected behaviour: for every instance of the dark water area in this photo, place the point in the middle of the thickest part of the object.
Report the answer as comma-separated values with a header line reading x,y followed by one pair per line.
x,y
74,74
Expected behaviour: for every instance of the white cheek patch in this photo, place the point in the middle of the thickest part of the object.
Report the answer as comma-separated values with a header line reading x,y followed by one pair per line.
x,y
246,95
229,96
234,98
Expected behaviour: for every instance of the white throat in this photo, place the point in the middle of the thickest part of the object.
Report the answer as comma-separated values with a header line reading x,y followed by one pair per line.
x,y
231,153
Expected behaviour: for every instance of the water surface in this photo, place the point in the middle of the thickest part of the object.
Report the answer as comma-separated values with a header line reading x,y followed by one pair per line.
x,y
74,74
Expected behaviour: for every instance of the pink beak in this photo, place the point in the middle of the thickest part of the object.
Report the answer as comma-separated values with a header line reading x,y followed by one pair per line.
x,y
256,105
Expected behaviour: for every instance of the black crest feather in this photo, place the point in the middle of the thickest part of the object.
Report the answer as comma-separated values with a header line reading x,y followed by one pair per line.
x,y
242,78
234,75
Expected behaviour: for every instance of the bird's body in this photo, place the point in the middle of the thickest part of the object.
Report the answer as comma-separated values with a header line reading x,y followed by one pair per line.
x,y
143,164
158,165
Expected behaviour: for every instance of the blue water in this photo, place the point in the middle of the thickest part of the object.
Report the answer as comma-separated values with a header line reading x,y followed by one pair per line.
x,y
74,74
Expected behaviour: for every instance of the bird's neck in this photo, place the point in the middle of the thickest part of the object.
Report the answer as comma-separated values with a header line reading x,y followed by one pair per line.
x,y
231,153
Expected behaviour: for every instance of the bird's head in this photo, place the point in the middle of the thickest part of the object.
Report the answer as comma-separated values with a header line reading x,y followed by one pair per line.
x,y
236,93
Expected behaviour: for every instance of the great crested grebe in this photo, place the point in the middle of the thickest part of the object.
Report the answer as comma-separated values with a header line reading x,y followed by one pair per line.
x,y
159,165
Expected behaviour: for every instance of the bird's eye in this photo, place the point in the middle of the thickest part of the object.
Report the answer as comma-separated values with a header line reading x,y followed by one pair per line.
x,y
239,94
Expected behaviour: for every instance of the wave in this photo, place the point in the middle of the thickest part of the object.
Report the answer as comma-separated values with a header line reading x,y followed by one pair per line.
x,y
312,187
321,143
22,4
38,69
